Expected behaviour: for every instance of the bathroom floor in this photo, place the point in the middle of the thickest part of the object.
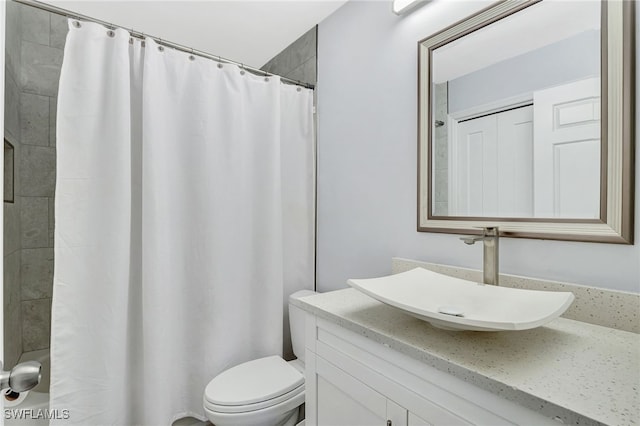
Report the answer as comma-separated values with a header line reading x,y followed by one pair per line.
x,y
190,421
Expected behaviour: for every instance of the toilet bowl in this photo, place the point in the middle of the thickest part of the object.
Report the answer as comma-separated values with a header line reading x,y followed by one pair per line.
x,y
266,391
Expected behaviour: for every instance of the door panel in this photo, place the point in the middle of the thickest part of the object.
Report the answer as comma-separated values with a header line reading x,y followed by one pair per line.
x,y
515,162
475,154
492,171
567,150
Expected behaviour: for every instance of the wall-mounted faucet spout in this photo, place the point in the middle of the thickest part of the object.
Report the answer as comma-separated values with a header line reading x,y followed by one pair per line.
x,y
22,377
489,237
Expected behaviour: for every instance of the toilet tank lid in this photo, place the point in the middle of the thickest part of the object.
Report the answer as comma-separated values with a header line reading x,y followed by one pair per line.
x,y
253,382
301,293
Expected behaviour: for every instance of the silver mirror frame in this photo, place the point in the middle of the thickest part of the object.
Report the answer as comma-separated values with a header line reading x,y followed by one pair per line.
x,y
618,145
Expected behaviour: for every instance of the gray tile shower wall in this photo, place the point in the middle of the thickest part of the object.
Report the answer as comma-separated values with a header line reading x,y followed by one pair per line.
x,y
12,100
35,25
441,175
12,309
34,50
36,323
36,269
37,171
40,68
13,33
11,244
34,119
34,222
298,60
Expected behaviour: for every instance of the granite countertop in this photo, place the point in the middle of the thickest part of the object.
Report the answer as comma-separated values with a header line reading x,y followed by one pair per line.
x,y
578,372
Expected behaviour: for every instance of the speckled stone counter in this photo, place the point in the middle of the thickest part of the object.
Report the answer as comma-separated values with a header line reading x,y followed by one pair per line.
x,y
577,372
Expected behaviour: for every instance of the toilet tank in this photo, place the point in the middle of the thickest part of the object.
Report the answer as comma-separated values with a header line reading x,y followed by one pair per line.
x,y
296,324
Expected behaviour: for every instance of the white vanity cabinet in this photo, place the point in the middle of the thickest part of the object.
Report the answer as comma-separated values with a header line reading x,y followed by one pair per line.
x,y
343,400
352,380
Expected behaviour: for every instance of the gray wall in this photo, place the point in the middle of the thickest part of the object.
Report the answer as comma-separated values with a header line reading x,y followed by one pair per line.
x,y
298,60
572,59
34,57
367,97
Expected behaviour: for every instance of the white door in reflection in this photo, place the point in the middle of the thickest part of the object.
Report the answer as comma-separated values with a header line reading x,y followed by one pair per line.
x,y
491,171
567,150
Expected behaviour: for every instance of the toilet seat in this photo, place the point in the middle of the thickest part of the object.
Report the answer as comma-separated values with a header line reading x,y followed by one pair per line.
x,y
256,406
254,385
267,416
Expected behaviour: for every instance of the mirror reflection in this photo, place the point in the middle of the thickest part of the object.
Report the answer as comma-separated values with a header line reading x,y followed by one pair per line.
x,y
516,109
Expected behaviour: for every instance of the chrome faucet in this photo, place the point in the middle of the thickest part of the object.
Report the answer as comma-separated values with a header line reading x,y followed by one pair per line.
x,y
22,377
489,236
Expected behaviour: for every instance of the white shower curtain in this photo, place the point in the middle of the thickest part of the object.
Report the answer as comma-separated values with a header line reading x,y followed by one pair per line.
x,y
184,218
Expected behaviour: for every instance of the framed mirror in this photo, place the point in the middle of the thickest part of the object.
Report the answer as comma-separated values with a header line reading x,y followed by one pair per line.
x,y
526,122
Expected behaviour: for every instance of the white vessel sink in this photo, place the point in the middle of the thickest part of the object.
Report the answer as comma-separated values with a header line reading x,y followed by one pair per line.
x,y
457,304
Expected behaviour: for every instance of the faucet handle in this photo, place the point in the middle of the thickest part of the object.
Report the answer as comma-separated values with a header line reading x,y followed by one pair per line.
x,y
471,239
489,230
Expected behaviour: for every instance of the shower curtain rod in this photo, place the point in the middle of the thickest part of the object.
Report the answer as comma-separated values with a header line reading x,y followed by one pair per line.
x,y
69,14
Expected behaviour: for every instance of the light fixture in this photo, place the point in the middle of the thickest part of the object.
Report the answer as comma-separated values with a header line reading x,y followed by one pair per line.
x,y
403,6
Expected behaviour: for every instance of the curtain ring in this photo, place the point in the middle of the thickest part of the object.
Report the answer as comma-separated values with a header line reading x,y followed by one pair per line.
x,y
242,69
191,57
111,33
77,24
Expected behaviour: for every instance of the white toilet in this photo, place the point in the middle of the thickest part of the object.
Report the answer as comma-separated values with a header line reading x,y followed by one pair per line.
x,y
267,391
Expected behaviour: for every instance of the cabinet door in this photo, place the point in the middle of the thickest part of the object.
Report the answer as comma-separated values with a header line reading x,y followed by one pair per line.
x,y
345,401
